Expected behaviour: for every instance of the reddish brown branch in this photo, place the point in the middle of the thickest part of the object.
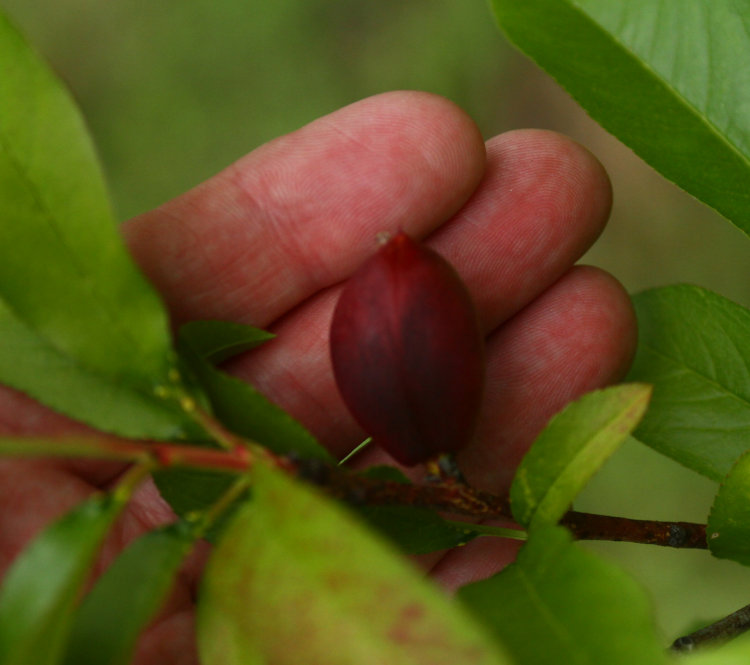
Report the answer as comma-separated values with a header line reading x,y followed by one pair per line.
x,y
650,532
448,495
459,499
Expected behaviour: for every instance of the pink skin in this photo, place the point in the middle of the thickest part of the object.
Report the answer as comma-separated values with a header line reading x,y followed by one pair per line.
x,y
268,242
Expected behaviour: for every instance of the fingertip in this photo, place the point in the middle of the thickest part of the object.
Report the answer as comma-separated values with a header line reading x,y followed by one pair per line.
x,y
564,176
423,136
613,328
578,336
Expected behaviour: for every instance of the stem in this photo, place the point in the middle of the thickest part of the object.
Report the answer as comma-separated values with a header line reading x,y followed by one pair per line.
x,y
130,481
723,630
215,429
458,499
448,497
649,532
217,509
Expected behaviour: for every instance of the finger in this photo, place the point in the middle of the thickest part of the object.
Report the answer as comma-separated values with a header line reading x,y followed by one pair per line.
x,y
542,202
577,337
35,492
301,212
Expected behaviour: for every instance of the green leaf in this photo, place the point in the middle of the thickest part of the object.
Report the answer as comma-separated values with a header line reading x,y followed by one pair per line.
x,y
736,652
416,530
571,449
413,530
32,364
728,529
193,490
694,347
69,288
559,603
218,340
244,410
295,579
41,588
127,596
661,75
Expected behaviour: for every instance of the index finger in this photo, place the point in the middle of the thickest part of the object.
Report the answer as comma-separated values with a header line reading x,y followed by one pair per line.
x,y
300,213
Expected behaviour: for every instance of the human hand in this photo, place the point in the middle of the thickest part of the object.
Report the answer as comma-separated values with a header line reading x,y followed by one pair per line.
x,y
268,242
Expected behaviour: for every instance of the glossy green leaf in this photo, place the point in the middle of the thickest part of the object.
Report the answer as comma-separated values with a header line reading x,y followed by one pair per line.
x,y
694,347
662,75
70,291
571,449
296,579
728,529
559,603
41,588
127,596
218,340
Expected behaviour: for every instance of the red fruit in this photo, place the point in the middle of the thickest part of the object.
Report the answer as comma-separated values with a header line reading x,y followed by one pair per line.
x,y
407,352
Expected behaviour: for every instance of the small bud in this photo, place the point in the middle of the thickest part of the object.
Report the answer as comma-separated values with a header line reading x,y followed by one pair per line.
x,y
407,352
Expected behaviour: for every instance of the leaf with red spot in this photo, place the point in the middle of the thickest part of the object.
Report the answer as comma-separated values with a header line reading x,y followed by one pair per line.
x,y
297,579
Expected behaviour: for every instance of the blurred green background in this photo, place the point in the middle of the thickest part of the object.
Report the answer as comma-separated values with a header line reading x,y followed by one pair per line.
x,y
177,89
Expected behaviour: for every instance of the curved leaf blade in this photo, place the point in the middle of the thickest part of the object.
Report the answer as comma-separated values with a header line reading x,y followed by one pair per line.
x,y
33,365
661,75
694,347
728,529
344,597
66,279
249,413
41,588
571,449
578,607
217,341
127,596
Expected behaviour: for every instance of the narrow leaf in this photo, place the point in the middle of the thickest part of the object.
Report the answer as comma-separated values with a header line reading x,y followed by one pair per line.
x,y
247,412
413,530
70,291
661,75
416,530
559,603
571,449
127,596
41,588
728,529
694,347
193,490
218,340
295,579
